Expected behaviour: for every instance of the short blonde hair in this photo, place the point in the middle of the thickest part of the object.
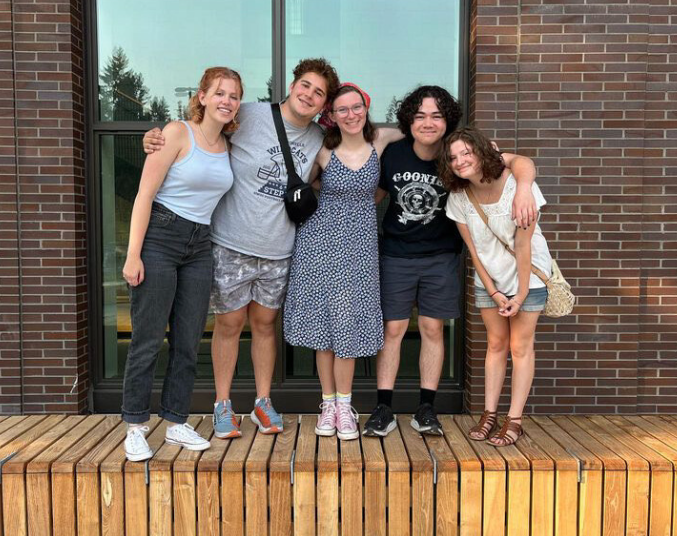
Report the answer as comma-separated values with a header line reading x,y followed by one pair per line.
x,y
195,107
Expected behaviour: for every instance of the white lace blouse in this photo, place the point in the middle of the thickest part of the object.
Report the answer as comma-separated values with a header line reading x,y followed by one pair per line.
x,y
497,261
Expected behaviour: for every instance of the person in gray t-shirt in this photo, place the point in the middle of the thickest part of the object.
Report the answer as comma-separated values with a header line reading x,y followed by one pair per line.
x,y
253,237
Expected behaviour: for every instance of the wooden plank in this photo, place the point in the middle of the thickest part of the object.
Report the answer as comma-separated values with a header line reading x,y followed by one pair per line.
x,y
59,509
27,439
327,486
160,498
470,495
614,479
661,460
399,487
667,437
208,493
135,489
304,478
184,483
494,497
280,478
590,486
11,422
423,500
232,480
104,513
256,485
446,488
542,485
638,478
351,487
374,484
10,441
67,493
64,486
566,475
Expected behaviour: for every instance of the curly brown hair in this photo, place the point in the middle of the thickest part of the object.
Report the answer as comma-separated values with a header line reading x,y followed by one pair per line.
x,y
491,162
333,138
320,67
195,108
448,105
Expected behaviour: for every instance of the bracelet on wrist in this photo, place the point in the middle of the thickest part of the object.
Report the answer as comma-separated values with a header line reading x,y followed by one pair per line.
x,y
494,293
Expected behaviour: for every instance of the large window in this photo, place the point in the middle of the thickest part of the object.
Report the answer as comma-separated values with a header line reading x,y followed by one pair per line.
x,y
147,59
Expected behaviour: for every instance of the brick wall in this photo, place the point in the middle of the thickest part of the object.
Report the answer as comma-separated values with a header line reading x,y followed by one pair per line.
x,y
43,287
587,89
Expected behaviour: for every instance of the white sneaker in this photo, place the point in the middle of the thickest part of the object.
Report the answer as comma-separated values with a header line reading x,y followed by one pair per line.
x,y
185,436
136,446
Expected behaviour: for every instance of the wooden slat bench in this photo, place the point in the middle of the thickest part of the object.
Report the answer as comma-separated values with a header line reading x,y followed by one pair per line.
x,y
568,476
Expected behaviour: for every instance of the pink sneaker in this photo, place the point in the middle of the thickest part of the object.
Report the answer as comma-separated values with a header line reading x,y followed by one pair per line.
x,y
326,421
346,421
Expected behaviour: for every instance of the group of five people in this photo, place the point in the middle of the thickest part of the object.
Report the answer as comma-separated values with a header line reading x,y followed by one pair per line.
x,y
193,248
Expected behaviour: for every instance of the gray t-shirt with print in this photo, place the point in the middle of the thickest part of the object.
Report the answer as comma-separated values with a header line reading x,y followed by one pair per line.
x,y
251,217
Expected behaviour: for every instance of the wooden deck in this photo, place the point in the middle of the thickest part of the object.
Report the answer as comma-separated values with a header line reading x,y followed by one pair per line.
x,y
585,476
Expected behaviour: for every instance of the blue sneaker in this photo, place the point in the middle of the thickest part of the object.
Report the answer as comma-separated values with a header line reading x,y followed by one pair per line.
x,y
266,417
225,421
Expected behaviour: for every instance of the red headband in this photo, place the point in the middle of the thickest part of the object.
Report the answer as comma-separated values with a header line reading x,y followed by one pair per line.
x,y
326,121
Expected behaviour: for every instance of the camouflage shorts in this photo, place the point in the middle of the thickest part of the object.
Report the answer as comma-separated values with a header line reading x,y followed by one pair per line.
x,y
239,279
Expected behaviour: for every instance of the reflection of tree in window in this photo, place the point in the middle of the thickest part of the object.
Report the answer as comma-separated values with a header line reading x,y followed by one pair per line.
x,y
123,94
391,112
269,95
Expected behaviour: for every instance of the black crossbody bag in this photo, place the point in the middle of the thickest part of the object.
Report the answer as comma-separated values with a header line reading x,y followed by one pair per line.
x,y
299,199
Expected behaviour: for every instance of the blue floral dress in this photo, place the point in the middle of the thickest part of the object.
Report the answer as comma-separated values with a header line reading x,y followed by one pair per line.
x,y
333,300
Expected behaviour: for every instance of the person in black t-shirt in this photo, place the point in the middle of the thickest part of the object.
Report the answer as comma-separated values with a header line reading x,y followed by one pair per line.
x,y
421,249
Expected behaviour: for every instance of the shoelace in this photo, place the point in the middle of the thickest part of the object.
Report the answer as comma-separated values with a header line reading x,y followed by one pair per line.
x,y
328,413
347,416
428,416
137,435
187,431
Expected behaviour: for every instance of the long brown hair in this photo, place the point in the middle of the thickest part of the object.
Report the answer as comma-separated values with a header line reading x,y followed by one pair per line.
x,y
333,137
195,107
491,162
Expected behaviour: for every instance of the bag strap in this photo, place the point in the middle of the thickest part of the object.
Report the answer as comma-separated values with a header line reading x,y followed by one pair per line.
x,y
293,179
478,208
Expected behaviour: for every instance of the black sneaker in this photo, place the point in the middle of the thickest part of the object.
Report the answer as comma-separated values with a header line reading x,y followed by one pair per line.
x,y
381,422
425,421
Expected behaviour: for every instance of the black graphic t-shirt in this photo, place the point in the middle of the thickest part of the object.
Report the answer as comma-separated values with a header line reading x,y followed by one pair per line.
x,y
414,224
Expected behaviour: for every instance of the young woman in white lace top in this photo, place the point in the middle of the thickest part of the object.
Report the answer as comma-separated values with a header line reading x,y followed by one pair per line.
x,y
508,295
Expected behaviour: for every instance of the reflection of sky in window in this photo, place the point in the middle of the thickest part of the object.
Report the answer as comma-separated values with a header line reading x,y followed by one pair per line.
x,y
386,46
171,42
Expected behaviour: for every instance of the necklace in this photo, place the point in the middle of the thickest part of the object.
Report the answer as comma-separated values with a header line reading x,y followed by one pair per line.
x,y
205,137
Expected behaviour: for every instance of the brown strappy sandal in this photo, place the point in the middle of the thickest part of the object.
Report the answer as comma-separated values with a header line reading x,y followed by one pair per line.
x,y
509,425
487,426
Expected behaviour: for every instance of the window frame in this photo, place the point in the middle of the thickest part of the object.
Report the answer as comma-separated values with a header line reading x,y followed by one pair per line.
x,y
105,395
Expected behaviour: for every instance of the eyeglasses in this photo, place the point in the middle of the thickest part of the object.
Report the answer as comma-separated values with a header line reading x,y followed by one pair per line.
x,y
357,109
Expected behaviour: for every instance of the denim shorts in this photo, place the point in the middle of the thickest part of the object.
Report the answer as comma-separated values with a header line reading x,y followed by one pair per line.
x,y
535,300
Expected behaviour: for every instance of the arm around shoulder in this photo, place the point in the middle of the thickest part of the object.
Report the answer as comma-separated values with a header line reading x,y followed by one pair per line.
x,y
385,136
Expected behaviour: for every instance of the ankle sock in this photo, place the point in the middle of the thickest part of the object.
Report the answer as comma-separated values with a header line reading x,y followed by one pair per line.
x,y
428,396
329,398
133,425
344,398
384,396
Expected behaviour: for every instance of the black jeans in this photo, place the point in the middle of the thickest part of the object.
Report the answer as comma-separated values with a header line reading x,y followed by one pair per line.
x,y
177,261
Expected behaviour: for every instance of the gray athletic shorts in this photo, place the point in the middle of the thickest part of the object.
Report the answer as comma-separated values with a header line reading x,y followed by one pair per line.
x,y
239,279
432,283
